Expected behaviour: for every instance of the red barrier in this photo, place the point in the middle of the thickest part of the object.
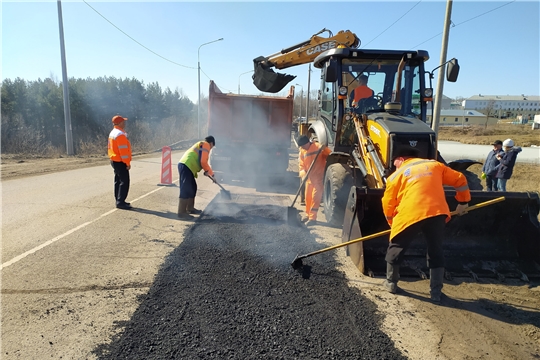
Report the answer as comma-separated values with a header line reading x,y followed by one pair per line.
x,y
166,166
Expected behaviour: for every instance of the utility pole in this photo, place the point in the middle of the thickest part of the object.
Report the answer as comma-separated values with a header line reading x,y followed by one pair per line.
x,y
308,86
440,80
65,83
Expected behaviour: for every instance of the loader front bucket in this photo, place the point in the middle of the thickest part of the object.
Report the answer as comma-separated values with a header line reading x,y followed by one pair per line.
x,y
500,240
265,79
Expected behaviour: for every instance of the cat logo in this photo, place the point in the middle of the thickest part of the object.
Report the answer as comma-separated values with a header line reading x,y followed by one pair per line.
x,y
322,47
413,143
375,130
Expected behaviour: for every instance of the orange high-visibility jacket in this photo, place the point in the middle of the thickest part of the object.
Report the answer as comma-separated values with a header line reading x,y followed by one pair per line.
x,y
415,192
305,159
362,92
118,147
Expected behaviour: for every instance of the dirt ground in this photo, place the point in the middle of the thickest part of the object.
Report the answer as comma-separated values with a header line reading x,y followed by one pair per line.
x,y
488,319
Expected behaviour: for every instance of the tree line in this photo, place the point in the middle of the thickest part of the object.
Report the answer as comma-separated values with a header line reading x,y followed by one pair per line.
x,y
33,115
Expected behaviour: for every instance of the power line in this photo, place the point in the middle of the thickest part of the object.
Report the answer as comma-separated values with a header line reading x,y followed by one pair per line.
x,y
123,32
229,90
393,23
463,22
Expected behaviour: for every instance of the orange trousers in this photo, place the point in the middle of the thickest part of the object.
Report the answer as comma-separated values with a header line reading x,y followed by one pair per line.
x,y
314,193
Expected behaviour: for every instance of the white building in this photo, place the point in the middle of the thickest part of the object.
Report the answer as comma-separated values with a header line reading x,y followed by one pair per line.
x,y
501,106
461,118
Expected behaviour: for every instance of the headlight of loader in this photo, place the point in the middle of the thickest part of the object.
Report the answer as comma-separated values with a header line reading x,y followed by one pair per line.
x,y
428,94
342,92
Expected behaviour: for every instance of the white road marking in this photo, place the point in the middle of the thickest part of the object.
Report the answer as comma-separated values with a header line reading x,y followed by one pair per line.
x,y
69,232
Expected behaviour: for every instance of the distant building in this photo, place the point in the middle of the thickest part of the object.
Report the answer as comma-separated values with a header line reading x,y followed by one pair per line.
x,y
461,118
501,106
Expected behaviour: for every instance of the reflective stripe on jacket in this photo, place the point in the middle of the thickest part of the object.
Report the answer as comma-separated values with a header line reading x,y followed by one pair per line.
x,y
305,159
118,147
415,192
196,158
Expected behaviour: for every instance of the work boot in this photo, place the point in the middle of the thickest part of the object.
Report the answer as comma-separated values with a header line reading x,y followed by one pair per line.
x,y
191,207
311,222
436,277
392,278
182,210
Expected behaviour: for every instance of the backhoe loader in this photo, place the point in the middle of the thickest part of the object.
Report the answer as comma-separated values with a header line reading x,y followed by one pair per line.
x,y
501,240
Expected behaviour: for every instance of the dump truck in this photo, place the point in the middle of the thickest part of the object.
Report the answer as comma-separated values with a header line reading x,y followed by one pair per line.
x,y
499,240
253,133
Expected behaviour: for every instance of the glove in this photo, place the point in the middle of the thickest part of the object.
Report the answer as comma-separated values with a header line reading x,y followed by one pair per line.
x,y
461,209
483,176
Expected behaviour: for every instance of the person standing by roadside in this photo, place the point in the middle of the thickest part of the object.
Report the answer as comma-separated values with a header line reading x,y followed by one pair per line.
x,y
508,160
119,150
491,165
194,160
315,181
413,202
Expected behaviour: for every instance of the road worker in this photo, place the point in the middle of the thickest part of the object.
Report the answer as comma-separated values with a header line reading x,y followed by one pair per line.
x,y
362,91
314,183
119,150
194,160
413,202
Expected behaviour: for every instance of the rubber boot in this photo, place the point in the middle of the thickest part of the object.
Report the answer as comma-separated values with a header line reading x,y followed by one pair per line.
x,y
436,277
392,278
182,209
191,207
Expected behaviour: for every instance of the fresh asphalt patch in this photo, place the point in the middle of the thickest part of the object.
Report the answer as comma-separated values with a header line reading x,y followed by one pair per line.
x,y
229,292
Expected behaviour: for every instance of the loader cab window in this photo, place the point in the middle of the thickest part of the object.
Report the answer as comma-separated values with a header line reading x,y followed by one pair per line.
x,y
382,78
327,108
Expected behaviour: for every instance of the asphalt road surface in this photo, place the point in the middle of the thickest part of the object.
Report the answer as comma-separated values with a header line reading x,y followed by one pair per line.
x,y
83,280
453,150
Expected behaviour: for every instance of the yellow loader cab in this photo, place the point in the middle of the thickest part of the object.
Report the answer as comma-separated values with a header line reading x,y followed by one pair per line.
x,y
364,133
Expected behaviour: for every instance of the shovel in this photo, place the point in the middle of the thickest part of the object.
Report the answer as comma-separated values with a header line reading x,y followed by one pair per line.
x,y
292,213
224,193
297,262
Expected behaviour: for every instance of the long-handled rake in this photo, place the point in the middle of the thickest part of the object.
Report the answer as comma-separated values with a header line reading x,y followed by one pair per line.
x,y
297,262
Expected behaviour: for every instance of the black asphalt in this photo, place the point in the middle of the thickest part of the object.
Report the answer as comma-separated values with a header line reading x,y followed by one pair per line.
x,y
229,292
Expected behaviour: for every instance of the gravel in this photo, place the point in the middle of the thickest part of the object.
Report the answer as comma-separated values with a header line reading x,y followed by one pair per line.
x,y
229,292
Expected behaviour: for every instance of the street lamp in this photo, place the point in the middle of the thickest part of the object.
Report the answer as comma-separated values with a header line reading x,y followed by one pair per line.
x,y
199,87
301,98
247,72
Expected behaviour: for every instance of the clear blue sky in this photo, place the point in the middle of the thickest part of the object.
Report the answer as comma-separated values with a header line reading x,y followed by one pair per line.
x,y
497,45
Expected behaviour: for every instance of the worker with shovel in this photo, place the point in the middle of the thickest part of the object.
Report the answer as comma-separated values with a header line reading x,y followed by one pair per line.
x,y
413,202
194,160
316,154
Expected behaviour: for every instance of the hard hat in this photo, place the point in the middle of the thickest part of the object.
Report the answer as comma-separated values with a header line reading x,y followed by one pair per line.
x,y
508,143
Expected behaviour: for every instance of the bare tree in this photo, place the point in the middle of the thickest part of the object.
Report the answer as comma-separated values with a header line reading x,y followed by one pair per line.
x,y
489,109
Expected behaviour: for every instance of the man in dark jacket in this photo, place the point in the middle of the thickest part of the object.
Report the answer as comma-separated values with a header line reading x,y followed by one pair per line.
x,y
491,165
508,160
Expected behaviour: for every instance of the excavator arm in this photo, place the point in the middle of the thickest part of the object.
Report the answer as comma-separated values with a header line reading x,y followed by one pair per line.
x,y
265,79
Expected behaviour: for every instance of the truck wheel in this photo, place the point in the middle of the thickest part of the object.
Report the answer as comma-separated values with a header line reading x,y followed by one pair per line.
x,y
337,184
472,180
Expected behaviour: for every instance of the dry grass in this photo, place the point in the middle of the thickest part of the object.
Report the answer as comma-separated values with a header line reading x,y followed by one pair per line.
x,y
522,135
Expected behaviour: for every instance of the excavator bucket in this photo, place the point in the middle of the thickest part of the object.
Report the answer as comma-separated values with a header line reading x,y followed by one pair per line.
x,y
499,240
265,79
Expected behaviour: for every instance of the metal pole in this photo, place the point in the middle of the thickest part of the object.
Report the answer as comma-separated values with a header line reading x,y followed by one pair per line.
x,y
308,86
440,80
247,72
301,99
199,87
65,83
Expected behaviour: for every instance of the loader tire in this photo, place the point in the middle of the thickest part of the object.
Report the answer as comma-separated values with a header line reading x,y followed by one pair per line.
x,y
473,180
337,185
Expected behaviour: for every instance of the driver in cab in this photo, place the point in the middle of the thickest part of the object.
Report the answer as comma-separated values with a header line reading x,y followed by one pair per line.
x,y
362,91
